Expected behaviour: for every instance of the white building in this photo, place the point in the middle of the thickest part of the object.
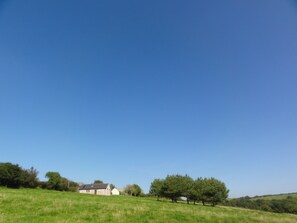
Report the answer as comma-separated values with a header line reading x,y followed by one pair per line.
x,y
98,189
115,191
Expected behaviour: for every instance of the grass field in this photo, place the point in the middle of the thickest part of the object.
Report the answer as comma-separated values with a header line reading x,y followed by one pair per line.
x,y
36,205
275,196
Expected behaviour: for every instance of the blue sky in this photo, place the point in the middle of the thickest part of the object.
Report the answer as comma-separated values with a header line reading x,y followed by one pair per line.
x,y
130,91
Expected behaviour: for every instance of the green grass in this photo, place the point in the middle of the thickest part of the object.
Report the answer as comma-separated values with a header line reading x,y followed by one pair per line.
x,y
36,205
275,196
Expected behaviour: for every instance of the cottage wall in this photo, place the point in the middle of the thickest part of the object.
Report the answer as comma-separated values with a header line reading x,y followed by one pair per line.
x,y
97,192
115,191
87,191
103,192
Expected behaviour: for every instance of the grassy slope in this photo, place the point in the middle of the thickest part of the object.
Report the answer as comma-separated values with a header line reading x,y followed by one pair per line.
x,y
275,196
29,205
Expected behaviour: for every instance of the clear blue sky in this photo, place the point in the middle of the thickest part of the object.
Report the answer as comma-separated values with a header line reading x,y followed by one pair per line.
x,y
130,91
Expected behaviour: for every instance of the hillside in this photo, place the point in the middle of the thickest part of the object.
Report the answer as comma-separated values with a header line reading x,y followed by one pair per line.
x,y
275,196
36,205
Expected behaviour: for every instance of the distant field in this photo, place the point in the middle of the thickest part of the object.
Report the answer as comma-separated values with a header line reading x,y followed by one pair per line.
x,y
276,196
36,205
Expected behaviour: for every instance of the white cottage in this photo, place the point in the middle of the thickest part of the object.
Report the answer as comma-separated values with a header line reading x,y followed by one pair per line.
x,y
98,189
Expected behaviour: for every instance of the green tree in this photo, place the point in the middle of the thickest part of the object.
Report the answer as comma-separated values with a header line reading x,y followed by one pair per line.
x,y
213,191
72,186
11,175
30,178
98,181
54,181
187,187
196,190
64,184
112,186
173,187
156,188
57,182
133,190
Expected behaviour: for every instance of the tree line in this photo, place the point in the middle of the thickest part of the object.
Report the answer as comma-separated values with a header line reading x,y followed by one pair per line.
x,y
287,205
207,190
14,176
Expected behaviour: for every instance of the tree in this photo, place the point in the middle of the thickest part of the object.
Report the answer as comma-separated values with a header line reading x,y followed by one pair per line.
x,y
64,184
112,186
156,187
128,189
72,186
212,191
30,178
187,187
98,181
173,187
133,190
11,175
196,190
54,181
57,182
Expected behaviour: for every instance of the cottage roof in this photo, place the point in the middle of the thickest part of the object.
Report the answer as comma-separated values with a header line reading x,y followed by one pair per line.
x,y
93,186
